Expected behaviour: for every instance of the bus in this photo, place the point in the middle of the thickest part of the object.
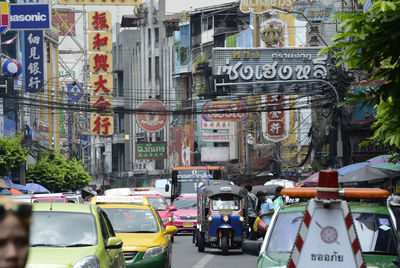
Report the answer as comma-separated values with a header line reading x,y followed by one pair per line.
x,y
185,179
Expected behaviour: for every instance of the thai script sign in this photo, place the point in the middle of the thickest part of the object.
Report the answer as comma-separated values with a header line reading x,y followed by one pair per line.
x,y
313,11
270,64
225,111
151,150
214,137
262,6
152,116
101,2
30,16
33,61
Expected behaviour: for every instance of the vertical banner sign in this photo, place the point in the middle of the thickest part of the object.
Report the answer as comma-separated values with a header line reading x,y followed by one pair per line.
x,y
4,22
275,121
34,80
100,64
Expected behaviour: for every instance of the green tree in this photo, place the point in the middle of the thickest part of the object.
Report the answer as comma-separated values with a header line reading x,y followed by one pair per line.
x,y
57,174
369,40
12,154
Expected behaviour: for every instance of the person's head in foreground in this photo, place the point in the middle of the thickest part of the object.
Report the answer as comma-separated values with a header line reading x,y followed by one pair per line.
x,y
14,233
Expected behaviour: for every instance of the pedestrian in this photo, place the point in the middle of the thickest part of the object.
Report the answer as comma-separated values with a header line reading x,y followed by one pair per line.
x,y
266,208
14,233
278,200
252,210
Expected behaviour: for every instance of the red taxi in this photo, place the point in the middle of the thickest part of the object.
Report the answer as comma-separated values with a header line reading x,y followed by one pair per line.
x,y
160,204
185,216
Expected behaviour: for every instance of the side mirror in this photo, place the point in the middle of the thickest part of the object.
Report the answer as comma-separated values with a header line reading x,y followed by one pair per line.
x,y
251,247
113,243
171,229
167,187
173,208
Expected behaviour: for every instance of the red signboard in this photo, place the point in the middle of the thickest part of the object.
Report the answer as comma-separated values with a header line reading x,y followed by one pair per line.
x,y
152,115
64,22
225,111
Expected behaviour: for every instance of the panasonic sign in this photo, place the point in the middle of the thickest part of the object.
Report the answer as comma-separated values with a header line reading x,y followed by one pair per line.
x,y
30,17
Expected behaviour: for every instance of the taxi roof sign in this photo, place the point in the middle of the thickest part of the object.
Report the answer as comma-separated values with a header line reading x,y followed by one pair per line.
x,y
140,200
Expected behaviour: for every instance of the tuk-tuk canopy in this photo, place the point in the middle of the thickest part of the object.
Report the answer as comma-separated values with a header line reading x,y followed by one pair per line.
x,y
213,190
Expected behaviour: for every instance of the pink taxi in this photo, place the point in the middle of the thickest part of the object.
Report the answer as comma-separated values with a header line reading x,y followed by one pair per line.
x,y
185,216
160,204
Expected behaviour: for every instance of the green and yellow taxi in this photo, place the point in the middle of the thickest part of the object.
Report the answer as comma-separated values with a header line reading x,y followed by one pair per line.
x,y
72,236
374,227
146,242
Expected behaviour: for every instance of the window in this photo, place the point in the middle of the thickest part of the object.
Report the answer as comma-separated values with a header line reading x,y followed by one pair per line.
x,y
149,36
157,36
149,68
130,220
157,67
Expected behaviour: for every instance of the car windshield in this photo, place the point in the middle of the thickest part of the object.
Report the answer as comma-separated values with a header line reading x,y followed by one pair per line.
x,y
374,232
130,220
158,203
63,229
185,203
225,202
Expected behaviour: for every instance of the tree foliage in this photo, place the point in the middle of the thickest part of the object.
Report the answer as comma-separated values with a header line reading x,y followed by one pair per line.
x,y
369,40
57,174
12,154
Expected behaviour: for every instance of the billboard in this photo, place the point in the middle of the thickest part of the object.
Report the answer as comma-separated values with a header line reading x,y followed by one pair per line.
x,y
33,55
260,7
152,115
101,2
181,146
30,17
225,111
64,22
214,154
364,113
182,51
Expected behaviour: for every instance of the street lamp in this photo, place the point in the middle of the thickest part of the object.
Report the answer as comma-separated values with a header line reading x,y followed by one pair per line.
x,y
285,10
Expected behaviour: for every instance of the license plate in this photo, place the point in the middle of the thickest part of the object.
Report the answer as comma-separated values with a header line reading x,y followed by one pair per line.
x,y
188,224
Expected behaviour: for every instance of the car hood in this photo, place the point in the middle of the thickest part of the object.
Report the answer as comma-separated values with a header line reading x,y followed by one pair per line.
x,y
186,212
164,213
141,241
48,257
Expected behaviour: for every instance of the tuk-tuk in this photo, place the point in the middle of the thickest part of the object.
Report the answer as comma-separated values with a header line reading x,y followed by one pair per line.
x,y
221,217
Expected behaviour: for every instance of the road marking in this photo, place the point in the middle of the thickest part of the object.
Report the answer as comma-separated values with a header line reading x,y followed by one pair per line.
x,y
203,261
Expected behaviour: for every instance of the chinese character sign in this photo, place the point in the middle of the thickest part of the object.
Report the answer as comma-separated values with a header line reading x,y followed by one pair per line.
x,y
33,61
276,121
100,41
102,125
100,21
101,103
100,62
101,83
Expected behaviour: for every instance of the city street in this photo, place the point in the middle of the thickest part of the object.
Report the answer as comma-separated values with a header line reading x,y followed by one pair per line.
x,y
184,254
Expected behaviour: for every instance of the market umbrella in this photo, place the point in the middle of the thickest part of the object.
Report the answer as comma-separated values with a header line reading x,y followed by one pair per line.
x,y
18,187
384,156
15,191
350,168
311,181
5,191
367,176
389,166
37,188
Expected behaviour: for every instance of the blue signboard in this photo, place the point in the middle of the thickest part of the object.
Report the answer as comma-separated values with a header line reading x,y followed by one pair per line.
x,y
75,92
30,16
33,57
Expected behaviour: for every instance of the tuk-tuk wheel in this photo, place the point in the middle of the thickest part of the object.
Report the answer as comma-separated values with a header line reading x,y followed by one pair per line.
x,y
225,245
200,242
194,237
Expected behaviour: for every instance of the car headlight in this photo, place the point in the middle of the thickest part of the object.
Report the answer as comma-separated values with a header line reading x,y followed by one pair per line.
x,y
89,261
166,220
241,218
154,252
176,218
210,218
225,218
